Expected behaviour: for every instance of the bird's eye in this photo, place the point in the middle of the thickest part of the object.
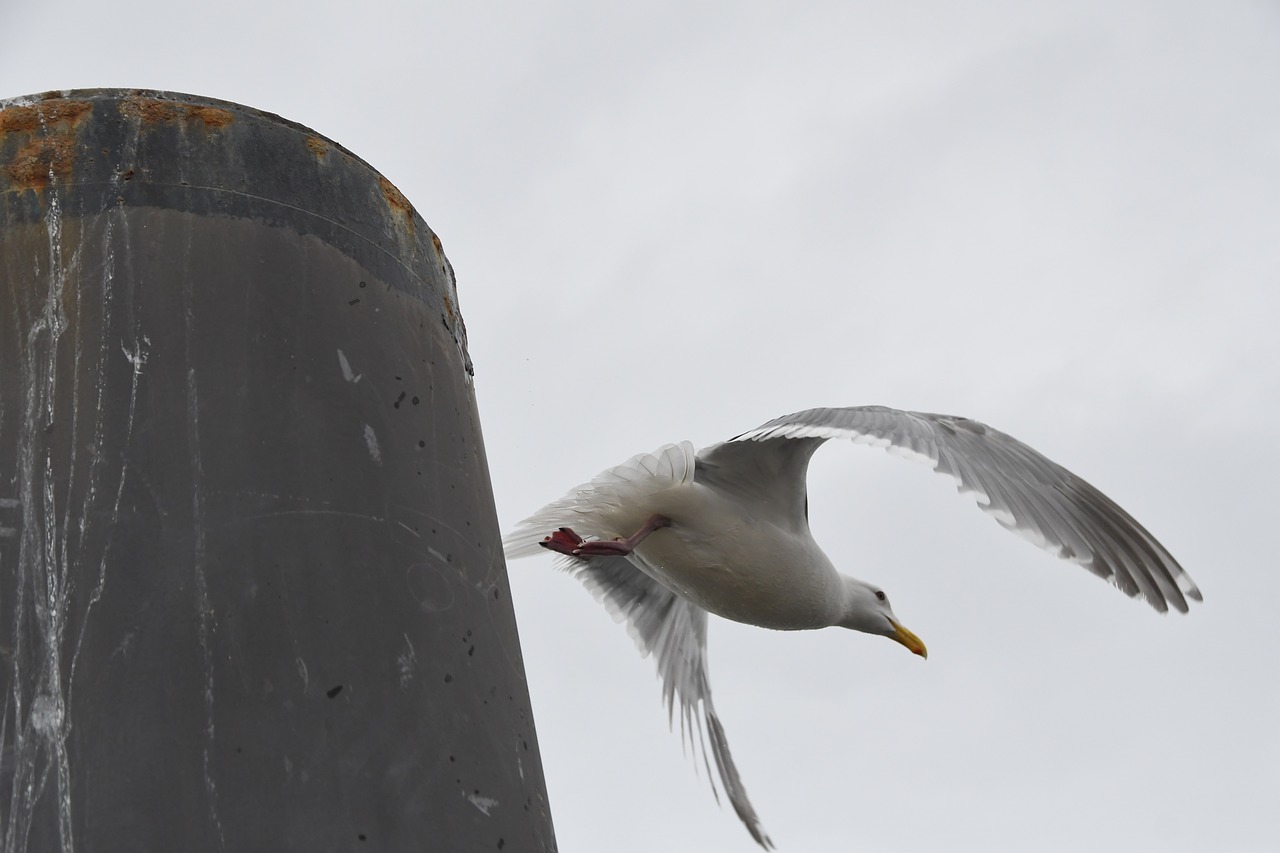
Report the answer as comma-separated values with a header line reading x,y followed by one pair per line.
x,y
880,595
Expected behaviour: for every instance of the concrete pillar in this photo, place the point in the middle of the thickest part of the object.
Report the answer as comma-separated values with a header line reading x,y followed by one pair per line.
x,y
252,595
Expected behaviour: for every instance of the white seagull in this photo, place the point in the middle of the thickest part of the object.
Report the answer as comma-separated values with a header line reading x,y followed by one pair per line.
x,y
666,537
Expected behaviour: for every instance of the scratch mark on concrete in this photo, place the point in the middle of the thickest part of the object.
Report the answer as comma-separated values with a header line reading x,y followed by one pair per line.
x,y
337,512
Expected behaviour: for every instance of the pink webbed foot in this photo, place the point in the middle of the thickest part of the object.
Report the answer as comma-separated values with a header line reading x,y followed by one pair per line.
x,y
563,541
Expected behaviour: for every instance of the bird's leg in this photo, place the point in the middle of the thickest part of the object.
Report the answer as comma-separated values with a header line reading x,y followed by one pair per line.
x,y
565,541
618,547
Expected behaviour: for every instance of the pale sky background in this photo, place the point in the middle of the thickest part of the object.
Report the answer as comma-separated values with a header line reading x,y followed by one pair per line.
x,y
676,220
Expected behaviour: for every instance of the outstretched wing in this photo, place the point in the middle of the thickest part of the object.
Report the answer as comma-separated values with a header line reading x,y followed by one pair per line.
x,y
1025,491
674,632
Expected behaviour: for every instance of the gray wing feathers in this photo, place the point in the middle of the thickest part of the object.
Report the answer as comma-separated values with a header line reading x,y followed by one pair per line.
x,y
772,483
1022,489
674,632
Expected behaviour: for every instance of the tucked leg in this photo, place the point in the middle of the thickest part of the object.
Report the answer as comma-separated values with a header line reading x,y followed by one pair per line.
x,y
617,547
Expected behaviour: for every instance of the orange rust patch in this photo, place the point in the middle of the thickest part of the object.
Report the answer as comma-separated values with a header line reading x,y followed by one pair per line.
x,y
318,146
396,199
153,111
211,116
435,241
43,115
149,109
40,159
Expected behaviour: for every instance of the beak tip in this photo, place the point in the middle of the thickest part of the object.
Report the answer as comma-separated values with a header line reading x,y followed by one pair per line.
x,y
910,640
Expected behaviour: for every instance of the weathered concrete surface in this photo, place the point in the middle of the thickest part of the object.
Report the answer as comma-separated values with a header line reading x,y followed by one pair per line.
x,y
251,591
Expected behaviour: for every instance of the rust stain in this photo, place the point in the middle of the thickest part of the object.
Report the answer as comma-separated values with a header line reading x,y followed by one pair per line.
x,y
448,303
211,116
40,159
318,146
396,199
47,114
148,109
154,111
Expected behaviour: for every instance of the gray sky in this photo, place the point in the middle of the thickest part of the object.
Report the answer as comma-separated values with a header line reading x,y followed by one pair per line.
x,y
678,220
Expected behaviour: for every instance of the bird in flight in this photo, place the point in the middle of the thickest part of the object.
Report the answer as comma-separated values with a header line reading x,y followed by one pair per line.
x,y
667,537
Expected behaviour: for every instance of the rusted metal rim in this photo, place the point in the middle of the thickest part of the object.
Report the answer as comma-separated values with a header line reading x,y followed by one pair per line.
x,y
145,148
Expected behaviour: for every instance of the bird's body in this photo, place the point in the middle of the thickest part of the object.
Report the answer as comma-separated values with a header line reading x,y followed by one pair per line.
x,y
734,560
673,535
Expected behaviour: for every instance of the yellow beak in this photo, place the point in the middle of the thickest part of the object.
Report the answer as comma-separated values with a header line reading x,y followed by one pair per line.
x,y
910,640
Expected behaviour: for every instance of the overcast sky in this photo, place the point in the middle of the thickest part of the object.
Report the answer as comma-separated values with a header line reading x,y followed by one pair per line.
x,y
676,220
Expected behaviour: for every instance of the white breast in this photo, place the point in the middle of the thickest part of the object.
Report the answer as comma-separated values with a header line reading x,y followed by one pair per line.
x,y
743,568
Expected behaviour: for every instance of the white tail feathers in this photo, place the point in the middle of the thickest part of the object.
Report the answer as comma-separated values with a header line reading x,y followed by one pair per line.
x,y
612,495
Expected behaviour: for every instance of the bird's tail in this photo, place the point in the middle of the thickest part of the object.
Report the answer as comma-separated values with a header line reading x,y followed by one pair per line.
x,y
591,508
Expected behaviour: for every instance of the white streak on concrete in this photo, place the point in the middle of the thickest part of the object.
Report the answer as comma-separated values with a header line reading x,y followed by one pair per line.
x,y
47,714
347,374
484,804
39,736
54,615
371,439
138,356
407,662
204,608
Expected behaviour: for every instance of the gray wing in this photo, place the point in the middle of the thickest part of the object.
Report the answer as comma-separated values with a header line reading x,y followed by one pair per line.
x,y
767,476
1025,491
674,631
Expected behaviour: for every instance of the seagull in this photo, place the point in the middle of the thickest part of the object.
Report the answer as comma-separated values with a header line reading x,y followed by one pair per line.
x,y
667,537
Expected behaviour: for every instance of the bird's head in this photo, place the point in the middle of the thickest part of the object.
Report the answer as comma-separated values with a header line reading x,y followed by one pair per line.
x,y
866,609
